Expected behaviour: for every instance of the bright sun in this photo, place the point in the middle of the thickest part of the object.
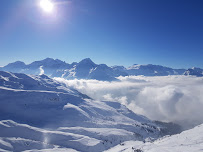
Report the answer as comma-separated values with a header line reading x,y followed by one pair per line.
x,y
46,6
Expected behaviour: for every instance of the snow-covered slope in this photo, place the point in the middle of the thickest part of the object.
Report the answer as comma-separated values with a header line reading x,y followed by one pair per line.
x,y
187,141
87,69
63,117
19,137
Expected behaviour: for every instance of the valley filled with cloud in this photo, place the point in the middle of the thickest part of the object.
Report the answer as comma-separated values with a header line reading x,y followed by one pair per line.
x,y
175,99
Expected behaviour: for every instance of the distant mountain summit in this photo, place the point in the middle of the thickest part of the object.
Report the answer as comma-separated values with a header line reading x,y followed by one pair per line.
x,y
194,71
87,69
153,70
15,66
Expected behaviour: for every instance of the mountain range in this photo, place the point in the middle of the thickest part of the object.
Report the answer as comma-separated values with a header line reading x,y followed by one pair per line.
x,y
87,69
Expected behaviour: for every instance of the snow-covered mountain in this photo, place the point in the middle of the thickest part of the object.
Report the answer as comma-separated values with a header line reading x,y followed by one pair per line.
x,y
194,71
87,69
187,141
38,112
48,65
153,70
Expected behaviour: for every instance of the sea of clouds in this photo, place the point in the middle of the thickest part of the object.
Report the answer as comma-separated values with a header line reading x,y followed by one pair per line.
x,y
176,99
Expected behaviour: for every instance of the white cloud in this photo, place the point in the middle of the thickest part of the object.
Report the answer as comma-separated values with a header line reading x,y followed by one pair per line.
x,y
169,98
41,70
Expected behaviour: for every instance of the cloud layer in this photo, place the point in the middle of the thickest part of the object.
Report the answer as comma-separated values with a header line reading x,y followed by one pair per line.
x,y
176,99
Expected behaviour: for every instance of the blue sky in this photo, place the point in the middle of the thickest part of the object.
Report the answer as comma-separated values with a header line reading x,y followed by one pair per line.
x,y
115,32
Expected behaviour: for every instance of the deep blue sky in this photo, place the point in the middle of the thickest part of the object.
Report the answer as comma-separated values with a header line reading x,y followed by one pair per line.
x,y
115,32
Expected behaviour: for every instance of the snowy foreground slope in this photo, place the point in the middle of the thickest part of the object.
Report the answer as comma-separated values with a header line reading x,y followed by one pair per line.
x,y
37,112
187,141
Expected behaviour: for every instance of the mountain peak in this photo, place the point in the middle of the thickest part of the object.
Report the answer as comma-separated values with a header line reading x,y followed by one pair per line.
x,y
17,64
86,61
195,68
48,60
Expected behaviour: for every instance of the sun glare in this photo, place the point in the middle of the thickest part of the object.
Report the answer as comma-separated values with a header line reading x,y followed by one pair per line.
x,y
47,6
